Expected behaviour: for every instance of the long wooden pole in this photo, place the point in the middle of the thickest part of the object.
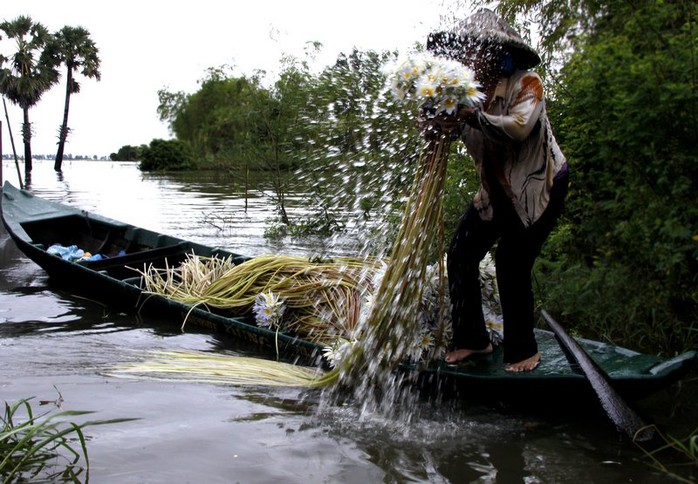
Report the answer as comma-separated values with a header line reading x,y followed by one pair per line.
x,y
616,408
12,142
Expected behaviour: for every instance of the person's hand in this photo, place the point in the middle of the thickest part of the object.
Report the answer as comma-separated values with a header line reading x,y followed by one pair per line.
x,y
447,125
468,115
436,126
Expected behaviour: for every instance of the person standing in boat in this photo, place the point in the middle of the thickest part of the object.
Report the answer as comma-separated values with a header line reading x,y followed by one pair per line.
x,y
523,184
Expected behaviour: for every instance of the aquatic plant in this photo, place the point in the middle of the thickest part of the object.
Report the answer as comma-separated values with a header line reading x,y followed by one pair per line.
x,y
391,326
671,448
204,367
44,446
271,310
268,310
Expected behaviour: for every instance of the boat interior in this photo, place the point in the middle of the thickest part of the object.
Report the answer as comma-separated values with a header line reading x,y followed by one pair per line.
x,y
122,247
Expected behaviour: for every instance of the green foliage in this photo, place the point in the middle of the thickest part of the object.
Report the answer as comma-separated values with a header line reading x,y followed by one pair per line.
x,y
31,70
281,135
561,25
128,153
166,155
461,184
364,143
627,261
673,455
217,120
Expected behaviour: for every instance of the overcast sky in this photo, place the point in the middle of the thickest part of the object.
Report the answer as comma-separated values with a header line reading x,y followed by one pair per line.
x,y
148,45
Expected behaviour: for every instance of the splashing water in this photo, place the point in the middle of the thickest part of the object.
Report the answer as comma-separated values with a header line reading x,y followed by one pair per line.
x,y
378,157
392,326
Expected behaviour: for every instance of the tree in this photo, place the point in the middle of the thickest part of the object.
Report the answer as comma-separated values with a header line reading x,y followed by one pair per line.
x,y
31,72
215,120
363,138
279,127
73,47
128,153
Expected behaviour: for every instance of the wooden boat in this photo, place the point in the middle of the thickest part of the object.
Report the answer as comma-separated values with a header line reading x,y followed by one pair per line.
x,y
35,224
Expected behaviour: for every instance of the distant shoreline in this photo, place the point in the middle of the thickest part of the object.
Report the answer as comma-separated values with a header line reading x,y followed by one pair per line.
x,y
11,157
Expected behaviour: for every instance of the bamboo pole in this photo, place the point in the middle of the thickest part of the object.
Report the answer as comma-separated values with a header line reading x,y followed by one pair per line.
x,y
12,142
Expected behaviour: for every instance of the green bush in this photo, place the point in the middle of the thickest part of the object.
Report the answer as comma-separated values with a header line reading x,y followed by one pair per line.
x,y
166,155
625,266
127,153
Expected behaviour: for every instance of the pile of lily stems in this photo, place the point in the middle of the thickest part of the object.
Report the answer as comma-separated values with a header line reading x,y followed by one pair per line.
x,y
322,299
214,368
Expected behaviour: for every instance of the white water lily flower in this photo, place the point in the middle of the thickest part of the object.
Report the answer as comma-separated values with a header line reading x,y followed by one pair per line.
x,y
444,336
330,354
491,307
442,347
435,323
424,343
462,77
268,310
435,298
426,88
398,91
449,105
495,327
440,325
339,351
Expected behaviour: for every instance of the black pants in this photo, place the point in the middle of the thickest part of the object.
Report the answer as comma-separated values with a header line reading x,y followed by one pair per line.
x,y
517,248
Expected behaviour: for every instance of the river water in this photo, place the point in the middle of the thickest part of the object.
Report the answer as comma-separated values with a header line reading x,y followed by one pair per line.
x,y
52,341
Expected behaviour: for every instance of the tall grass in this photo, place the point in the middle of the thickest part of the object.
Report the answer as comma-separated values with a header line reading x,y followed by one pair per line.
x,y
43,447
682,453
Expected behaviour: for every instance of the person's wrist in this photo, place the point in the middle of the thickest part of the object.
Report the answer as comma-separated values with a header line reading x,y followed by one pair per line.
x,y
473,118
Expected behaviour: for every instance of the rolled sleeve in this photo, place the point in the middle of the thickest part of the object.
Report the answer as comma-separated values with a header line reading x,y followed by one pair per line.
x,y
523,113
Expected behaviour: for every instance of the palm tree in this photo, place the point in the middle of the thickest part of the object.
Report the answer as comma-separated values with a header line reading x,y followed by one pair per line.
x,y
77,51
31,71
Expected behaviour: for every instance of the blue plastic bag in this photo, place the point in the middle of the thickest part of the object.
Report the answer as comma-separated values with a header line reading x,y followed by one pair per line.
x,y
70,253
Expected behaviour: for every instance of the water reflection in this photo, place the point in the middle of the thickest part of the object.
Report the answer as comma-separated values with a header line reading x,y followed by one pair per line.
x,y
205,207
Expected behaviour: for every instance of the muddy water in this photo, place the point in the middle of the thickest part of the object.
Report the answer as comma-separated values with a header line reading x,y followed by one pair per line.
x,y
52,341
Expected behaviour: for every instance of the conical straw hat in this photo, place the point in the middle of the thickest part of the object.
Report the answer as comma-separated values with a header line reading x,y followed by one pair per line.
x,y
484,26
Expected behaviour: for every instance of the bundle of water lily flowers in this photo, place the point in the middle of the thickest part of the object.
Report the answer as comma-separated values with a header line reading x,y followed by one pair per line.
x,y
391,327
325,302
441,84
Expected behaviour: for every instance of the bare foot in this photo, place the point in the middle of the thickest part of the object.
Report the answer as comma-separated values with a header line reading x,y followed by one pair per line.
x,y
529,364
461,354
